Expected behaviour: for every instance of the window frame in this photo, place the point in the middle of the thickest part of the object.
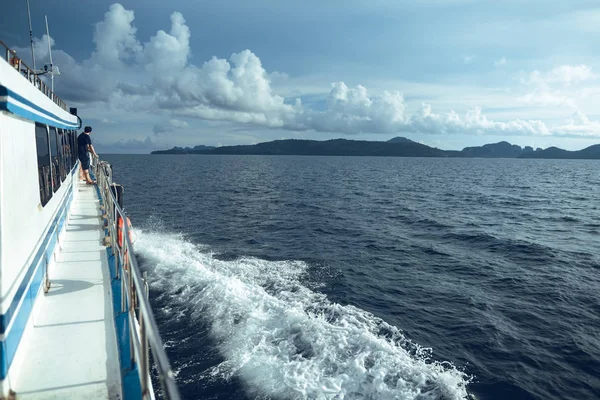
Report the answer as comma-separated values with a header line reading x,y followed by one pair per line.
x,y
44,168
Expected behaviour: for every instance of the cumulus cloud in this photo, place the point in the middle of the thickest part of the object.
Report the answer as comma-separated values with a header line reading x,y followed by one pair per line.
x,y
239,85
580,126
473,122
559,87
352,110
547,98
115,38
40,46
565,75
157,77
76,83
167,53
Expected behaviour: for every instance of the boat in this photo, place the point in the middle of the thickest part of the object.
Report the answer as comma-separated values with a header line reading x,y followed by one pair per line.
x,y
75,318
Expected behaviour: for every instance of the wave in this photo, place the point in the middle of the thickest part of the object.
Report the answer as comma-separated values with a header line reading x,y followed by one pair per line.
x,y
286,340
509,247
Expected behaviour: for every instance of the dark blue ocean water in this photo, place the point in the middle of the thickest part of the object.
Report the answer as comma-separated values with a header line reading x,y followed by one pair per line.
x,y
372,278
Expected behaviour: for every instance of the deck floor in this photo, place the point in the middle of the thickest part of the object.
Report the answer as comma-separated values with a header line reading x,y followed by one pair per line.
x,y
70,350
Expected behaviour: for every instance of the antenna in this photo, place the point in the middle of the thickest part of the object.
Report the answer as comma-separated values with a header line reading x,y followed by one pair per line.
x,y
31,35
50,53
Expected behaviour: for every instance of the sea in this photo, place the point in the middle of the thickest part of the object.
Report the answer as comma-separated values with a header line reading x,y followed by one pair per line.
x,y
298,277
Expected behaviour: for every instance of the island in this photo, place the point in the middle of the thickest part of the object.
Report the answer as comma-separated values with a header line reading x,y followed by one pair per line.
x,y
396,147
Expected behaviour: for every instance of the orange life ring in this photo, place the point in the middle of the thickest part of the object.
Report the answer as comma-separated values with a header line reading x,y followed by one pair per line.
x,y
120,238
120,231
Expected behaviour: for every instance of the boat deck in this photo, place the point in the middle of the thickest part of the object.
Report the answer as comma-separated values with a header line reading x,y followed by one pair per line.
x,y
69,351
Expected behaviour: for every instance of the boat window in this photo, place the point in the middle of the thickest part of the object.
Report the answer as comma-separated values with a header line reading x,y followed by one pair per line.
x,y
66,150
55,157
74,146
73,149
63,154
43,156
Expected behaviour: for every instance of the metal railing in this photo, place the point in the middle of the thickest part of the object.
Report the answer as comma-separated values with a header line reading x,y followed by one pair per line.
x,y
31,75
134,295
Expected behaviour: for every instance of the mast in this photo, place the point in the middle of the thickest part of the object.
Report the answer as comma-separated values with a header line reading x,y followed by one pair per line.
x,y
50,54
31,36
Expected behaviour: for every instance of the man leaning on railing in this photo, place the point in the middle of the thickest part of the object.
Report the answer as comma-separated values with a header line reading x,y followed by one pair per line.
x,y
85,147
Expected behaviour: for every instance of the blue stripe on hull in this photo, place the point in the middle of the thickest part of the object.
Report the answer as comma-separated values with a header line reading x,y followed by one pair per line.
x,y
43,116
129,372
21,112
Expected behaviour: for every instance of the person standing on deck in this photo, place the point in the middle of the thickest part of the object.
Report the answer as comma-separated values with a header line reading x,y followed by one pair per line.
x,y
84,146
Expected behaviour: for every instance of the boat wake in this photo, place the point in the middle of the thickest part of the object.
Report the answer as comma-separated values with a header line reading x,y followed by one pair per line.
x,y
286,340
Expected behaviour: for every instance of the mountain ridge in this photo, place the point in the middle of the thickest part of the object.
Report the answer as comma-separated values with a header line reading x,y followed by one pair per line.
x,y
395,147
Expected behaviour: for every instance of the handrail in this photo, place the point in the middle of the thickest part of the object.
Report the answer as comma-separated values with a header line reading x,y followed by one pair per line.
x,y
143,330
31,75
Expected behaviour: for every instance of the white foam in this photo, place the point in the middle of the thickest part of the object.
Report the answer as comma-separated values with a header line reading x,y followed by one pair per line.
x,y
287,341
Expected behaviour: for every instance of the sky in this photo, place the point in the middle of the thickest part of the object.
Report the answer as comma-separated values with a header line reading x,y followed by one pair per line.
x,y
150,75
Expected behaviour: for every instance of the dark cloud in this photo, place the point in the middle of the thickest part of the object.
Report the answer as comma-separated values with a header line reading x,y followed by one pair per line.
x,y
138,90
159,129
128,146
